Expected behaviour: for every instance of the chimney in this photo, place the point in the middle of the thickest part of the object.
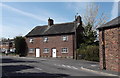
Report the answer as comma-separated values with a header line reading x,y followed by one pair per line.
x,y
50,22
78,20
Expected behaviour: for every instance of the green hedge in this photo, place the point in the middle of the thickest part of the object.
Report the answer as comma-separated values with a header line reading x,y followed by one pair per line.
x,y
89,52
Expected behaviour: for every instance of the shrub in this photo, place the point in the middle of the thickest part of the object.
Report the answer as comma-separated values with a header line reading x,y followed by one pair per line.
x,y
90,52
21,46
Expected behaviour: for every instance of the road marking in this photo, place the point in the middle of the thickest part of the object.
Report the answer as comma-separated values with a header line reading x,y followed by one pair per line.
x,y
66,66
93,65
74,67
38,68
63,65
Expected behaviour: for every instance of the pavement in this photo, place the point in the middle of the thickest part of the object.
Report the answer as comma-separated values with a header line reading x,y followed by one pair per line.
x,y
60,66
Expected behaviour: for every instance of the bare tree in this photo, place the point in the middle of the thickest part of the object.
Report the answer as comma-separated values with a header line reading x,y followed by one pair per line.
x,y
92,16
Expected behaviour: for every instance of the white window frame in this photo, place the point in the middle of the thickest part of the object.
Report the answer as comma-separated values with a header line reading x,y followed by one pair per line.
x,y
31,40
45,39
64,50
64,38
46,50
6,44
32,50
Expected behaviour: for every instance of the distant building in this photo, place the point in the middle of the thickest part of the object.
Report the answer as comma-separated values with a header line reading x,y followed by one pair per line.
x,y
55,40
7,45
109,36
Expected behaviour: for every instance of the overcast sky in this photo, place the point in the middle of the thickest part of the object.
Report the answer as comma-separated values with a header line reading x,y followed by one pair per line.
x,y
18,18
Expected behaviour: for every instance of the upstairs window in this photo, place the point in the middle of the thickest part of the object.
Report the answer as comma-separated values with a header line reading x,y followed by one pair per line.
x,y
31,40
64,38
64,50
46,50
45,39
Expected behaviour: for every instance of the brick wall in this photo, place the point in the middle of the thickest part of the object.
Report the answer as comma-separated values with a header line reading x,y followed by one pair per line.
x,y
4,46
53,42
111,43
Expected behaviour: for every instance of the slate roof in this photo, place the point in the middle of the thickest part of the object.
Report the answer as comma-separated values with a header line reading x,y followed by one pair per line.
x,y
62,28
113,23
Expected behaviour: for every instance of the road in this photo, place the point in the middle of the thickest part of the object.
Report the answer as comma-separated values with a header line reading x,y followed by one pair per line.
x,y
44,67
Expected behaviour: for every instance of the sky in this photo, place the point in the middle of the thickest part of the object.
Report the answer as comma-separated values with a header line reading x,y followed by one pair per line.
x,y
19,18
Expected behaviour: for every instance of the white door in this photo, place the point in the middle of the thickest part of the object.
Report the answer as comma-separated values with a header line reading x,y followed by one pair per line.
x,y
37,52
53,52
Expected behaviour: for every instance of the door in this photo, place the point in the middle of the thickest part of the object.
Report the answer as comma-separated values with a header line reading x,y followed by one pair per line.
x,y
53,52
37,52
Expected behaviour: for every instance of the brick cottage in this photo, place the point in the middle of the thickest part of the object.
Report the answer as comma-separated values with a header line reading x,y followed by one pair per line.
x,y
55,40
109,36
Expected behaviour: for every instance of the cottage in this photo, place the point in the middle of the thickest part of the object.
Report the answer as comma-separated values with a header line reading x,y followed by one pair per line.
x,y
55,40
109,36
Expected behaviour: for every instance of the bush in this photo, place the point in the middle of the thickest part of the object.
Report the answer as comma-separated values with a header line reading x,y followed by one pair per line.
x,y
90,52
21,46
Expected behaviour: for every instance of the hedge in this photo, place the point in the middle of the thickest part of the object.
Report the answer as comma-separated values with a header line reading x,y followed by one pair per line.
x,y
89,52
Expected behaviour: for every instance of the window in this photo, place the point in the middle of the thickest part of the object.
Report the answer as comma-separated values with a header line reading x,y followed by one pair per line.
x,y
31,40
64,38
45,39
6,44
64,50
31,50
46,50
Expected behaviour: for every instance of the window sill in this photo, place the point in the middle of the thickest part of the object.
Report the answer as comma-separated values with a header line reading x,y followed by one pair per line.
x,y
45,52
64,52
30,53
65,41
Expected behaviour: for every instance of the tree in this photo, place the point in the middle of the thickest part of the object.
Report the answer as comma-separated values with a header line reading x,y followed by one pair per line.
x,y
89,35
93,16
89,49
91,20
21,46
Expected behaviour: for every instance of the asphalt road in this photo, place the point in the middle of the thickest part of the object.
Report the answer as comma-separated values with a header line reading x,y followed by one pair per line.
x,y
20,67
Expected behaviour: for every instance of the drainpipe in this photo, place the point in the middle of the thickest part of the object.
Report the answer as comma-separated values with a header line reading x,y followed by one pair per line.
x,y
103,49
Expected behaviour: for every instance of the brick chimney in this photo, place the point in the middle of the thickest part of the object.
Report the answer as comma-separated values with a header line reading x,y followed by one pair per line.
x,y
50,22
78,20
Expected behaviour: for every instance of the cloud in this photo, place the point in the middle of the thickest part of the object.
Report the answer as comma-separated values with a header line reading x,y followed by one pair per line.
x,y
40,18
114,12
14,29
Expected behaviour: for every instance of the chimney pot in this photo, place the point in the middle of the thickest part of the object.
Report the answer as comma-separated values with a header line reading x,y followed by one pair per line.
x,y
50,22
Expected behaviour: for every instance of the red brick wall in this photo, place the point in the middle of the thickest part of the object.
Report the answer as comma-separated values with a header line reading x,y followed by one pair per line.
x,y
4,46
112,48
119,48
53,42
